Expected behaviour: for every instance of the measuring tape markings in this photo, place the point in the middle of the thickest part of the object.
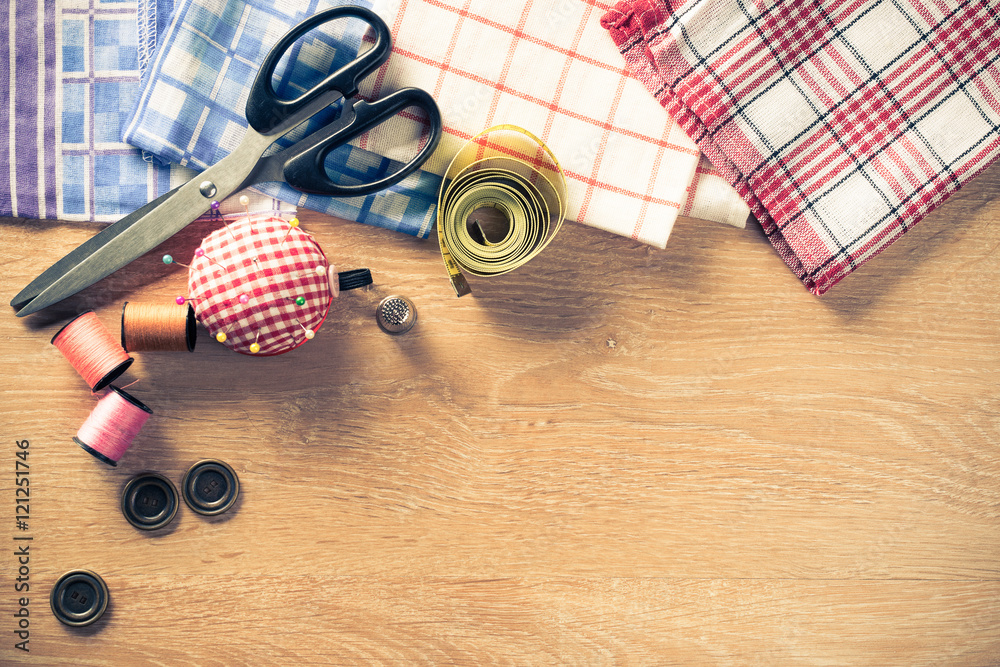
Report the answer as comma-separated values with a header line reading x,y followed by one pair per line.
x,y
494,170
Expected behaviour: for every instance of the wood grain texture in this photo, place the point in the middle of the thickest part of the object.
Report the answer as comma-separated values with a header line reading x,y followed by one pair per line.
x,y
616,454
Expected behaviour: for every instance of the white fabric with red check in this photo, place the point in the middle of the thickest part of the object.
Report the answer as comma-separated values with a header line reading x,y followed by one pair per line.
x,y
549,67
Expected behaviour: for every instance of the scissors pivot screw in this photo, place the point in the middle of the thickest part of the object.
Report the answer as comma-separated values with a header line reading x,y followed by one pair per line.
x,y
207,189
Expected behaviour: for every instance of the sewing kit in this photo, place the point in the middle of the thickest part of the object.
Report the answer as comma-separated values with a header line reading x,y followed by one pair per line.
x,y
210,487
396,314
834,167
262,286
150,500
112,426
79,598
92,350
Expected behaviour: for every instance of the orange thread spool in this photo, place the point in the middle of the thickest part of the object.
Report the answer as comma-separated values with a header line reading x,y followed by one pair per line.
x,y
158,327
92,350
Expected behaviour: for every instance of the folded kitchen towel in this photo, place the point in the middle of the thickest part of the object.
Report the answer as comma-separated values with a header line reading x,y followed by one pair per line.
x,y
547,66
841,124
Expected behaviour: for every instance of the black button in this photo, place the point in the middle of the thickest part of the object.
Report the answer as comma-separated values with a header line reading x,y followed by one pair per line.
x,y
79,598
210,487
149,501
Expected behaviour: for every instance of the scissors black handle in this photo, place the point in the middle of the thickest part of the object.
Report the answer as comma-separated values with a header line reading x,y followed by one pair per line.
x,y
266,111
303,163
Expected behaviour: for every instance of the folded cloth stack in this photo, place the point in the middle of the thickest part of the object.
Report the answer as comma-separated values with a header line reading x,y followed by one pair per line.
x,y
72,69
75,92
547,66
842,124
190,107
839,125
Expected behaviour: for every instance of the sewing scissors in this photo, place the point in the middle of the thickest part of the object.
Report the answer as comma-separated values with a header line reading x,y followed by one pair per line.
x,y
269,117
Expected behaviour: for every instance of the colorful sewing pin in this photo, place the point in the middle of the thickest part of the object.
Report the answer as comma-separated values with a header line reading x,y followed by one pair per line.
x,y
200,252
310,334
292,224
168,259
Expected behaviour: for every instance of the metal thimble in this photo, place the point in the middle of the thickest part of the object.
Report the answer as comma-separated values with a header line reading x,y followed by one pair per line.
x,y
396,314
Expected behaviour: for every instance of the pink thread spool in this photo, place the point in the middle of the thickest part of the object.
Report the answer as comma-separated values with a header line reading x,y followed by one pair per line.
x,y
92,350
112,426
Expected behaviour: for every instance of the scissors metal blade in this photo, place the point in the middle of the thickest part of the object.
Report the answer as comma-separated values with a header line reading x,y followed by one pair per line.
x,y
144,229
84,250
176,211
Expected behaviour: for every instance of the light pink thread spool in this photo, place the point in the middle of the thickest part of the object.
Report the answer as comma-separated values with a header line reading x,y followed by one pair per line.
x,y
112,426
92,350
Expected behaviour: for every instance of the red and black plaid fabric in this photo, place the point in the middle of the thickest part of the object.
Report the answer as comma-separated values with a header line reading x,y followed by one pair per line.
x,y
271,265
842,124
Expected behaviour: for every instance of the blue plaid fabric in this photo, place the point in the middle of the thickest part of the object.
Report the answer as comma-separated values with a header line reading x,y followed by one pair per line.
x,y
190,107
74,74
74,78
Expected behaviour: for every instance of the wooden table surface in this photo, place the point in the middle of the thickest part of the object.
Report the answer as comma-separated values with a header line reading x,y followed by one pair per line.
x,y
616,454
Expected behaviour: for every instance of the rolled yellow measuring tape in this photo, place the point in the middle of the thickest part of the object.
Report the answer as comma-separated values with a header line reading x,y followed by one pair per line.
x,y
508,169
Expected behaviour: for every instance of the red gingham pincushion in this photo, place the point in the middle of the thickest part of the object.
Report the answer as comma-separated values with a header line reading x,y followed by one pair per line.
x,y
268,264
